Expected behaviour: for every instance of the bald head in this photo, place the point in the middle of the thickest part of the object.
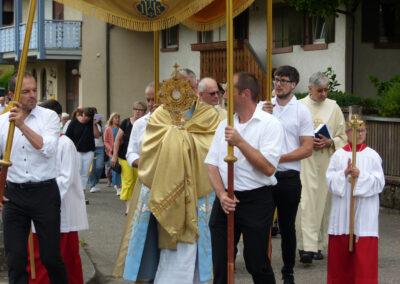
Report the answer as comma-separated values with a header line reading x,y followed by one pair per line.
x,y
208,91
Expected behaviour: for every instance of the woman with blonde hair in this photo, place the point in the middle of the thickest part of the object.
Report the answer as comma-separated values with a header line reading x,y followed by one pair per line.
x,y
128,174
110,133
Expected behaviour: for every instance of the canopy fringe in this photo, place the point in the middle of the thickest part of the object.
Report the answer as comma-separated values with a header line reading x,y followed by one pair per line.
x,y
132,23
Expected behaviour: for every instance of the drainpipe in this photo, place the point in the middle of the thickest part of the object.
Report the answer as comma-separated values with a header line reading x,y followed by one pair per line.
x,y
17,22
351,15
40,26
108,95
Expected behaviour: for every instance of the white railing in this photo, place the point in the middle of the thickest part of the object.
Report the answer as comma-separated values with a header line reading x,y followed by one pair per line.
x,y
57,34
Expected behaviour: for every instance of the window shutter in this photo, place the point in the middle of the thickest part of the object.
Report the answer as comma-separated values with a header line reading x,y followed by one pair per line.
x,y
370,21
330,29
296,27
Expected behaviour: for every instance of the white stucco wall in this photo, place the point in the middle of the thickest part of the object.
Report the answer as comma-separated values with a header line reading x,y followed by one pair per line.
x,y
131,65
184,57
382,63
306,62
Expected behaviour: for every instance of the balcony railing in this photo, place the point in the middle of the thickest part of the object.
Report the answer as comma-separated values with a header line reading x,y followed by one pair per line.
x,y
58,34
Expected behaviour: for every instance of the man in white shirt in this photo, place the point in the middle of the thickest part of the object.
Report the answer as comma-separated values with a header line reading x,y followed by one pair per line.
x,y
32,193
257,138
297,122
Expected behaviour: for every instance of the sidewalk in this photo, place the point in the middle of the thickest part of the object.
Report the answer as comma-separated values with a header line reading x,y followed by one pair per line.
x,y
106,221
100,246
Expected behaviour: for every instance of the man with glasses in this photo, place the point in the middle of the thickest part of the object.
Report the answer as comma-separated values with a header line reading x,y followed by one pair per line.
x,y
209,92
312,220
298,143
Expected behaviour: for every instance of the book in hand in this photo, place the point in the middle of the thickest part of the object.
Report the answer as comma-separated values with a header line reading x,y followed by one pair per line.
x,y
324,130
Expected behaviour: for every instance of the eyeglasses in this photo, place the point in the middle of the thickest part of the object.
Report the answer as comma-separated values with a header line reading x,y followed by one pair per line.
x,y
212,93
282,81
138,109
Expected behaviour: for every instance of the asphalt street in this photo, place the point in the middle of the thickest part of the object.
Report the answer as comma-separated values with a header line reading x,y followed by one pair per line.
x,y
107,219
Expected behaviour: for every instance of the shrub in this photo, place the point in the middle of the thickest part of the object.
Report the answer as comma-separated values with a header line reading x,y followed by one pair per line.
x,y
4,80
389,93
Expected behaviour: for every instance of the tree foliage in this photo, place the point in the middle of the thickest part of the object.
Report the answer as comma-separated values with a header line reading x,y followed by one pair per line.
x,y
321,8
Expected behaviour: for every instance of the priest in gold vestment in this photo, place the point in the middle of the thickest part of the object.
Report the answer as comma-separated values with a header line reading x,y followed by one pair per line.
x,y
314,208
167,238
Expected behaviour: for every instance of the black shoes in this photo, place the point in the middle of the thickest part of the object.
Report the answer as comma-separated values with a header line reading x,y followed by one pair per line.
x,y
306,257
288,279
318,255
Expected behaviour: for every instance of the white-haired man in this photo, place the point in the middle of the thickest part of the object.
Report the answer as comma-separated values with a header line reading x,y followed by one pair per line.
x,y
312,218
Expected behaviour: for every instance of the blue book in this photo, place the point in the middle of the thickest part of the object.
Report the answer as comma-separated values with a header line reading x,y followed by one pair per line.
x,y
324,130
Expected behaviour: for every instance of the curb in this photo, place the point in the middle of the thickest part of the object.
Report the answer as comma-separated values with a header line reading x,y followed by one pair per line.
x,y
88,269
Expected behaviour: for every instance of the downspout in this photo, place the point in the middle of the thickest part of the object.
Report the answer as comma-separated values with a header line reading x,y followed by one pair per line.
x,y
351,15
108,95
353,25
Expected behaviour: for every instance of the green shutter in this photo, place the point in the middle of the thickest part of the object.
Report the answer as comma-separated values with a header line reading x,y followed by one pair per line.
x,y
370,21
296,29
330,29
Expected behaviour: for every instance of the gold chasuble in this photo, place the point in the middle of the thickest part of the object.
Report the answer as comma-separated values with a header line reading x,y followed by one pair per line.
x,y
172,166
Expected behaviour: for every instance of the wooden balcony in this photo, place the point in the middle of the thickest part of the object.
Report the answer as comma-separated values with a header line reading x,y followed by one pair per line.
x,y
213,61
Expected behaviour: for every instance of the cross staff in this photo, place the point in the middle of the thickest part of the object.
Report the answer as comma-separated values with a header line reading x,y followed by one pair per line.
x,y
354,122
5,163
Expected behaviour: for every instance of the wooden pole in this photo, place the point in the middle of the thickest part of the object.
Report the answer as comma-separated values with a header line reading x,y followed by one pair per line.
x,y
5,163
156,66
268,91
353,182
269,50
230,158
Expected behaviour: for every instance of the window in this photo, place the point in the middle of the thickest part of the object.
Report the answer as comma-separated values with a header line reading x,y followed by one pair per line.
x,y
291,27
44,85
205,37
318,29
241,25
381,23
170,39
8,13
58,11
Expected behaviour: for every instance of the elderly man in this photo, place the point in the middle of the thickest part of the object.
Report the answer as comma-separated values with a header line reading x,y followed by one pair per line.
x,y
32,193
312,219
258,138
209,92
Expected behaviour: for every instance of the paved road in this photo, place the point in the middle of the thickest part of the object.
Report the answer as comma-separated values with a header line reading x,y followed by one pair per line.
x,y
106,220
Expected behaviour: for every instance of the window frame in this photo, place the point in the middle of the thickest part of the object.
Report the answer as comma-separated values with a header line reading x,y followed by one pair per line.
x,y
164,47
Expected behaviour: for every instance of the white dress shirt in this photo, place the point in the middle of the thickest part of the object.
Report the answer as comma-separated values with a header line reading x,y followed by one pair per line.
x,y
366,193
264,133
28,163
135,140
297,121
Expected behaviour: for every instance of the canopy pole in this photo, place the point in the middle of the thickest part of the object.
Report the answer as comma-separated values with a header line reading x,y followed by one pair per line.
x,y
230,158
269,50
156,66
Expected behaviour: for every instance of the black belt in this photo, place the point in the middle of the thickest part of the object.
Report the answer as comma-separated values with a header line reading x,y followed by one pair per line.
x,y
286,174
30,184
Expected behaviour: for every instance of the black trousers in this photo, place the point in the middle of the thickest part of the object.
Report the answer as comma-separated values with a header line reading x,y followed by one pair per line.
x,y
253,219
41,204
287,195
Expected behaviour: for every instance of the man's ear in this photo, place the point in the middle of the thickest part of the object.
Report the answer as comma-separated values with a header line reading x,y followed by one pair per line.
x,y
11,95
309,89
